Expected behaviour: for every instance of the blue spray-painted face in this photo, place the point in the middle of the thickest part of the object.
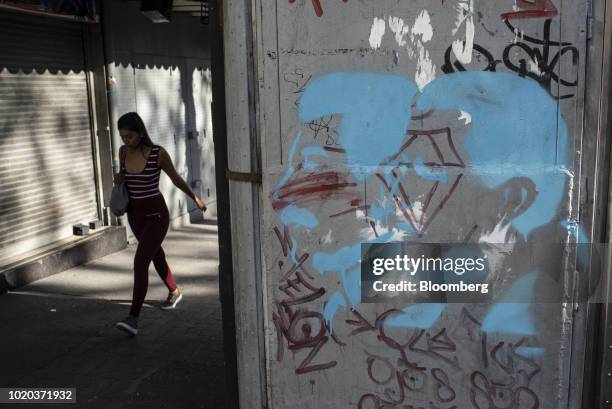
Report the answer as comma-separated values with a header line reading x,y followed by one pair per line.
x,y
516,132
375,112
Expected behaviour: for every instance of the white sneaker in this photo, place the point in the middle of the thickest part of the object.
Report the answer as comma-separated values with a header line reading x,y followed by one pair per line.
x,y
129,325
172,300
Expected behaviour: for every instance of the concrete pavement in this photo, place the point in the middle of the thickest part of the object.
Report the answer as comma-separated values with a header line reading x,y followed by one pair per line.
x,y
59,332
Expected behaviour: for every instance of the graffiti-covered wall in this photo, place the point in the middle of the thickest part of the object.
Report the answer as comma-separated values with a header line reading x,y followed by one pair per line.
x,y
446,121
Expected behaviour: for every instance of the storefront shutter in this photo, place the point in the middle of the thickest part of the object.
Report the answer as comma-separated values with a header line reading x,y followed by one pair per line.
x,y
46,165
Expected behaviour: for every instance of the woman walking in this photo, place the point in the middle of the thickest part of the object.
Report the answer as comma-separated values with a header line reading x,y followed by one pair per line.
x,y
141,166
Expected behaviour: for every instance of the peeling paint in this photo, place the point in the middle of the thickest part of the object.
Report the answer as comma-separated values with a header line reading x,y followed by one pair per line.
x,y
397,26
327,239
465,16
498,234
534,67
422,26
421,33
377,32
426,69
466,117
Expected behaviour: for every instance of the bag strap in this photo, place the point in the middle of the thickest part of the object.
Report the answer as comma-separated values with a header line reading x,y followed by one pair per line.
x,y
122,154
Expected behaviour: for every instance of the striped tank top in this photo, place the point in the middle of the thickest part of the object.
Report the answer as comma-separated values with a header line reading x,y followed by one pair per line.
x,y
146,183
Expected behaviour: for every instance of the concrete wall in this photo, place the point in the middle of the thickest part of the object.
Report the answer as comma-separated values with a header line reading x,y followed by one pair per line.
x,y
162,71
424,121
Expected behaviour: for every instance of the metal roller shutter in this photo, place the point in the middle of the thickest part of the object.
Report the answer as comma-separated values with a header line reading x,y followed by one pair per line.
x,y
46,165
202,147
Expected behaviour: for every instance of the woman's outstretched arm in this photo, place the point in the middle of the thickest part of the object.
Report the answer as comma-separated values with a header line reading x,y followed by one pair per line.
x,y
165,162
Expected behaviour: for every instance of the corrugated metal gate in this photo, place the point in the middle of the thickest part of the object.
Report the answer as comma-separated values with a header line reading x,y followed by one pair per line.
x,y
46,165
158,91
156,70
201,148
159,103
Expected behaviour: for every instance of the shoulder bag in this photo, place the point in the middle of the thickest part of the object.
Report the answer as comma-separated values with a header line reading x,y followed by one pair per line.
x,y
120,198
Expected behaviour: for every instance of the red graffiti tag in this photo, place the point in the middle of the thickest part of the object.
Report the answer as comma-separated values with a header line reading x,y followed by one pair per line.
x,y
487,394
316,4
435,346
314,188
296,326
532,9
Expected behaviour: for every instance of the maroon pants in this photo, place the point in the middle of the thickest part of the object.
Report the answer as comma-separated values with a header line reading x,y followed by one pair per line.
x,y
149,220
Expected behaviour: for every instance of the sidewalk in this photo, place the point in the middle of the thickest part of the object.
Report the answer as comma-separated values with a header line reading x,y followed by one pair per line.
x,y
59,332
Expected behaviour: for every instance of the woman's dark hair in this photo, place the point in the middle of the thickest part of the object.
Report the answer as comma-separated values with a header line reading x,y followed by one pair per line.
x,y
133,122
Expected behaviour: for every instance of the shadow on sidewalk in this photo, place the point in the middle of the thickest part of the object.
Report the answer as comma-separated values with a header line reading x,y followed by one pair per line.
x,y
59,332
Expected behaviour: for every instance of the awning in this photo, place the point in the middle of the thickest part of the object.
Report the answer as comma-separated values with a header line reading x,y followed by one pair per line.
x,y
78,10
